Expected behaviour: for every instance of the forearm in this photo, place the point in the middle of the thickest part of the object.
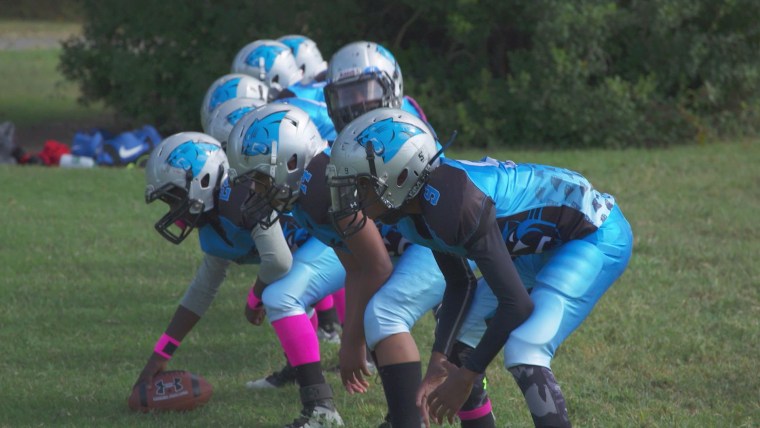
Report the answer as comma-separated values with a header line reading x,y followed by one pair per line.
x,y
460,290
204,286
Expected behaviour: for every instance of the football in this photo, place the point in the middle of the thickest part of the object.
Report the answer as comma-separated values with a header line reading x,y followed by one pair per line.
x,y
174,390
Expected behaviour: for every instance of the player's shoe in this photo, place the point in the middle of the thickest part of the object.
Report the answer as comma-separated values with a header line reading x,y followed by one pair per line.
x,y
329,333
278,379
317,416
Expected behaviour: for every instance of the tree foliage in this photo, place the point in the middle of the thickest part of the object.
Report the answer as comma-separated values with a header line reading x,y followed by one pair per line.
x,y
540,73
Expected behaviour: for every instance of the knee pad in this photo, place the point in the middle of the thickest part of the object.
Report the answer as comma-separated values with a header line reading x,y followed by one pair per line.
x,y
532,342
280,300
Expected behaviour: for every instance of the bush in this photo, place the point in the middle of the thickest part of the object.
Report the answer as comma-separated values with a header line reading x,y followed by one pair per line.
x,y
503,72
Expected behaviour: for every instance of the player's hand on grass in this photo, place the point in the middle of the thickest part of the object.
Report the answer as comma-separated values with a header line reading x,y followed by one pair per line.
x,y
444,402
435,375
353,367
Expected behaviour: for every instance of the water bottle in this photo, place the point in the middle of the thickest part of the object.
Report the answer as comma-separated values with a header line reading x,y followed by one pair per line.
x,y
72,161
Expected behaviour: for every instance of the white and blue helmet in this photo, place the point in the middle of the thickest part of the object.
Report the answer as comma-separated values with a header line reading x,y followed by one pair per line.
x,y
230,86
224,117
308,57
362,76
271,62
185,171
391,151
273,144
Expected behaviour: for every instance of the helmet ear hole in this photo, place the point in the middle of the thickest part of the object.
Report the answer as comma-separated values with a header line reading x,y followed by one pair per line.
x,y
401,179
293,163
205,180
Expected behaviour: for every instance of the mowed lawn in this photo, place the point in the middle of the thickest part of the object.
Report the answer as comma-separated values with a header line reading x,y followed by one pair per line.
x,y
87,286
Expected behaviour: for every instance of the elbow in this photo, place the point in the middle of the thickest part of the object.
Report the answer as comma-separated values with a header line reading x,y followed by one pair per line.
x,y
381,269
525,309
274,268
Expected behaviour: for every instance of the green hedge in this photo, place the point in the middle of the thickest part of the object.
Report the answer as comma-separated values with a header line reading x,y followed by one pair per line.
x,y
534,73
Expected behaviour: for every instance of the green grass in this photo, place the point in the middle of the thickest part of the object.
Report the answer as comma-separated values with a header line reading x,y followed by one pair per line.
x,y
87,287
32,91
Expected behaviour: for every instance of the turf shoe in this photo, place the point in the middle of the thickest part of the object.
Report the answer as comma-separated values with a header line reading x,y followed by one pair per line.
x,y
278,379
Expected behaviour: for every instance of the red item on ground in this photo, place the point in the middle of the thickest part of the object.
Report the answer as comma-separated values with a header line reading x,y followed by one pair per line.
x,y
52,151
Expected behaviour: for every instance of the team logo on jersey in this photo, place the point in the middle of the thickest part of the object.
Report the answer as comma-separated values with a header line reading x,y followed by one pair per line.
x,y
432,195
224,92
225,191
236,115
294,43
191,156
265,54
262,133
533,233
387,137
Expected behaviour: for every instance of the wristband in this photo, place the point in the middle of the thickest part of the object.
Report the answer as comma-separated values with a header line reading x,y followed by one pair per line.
x,y
253,301
166,346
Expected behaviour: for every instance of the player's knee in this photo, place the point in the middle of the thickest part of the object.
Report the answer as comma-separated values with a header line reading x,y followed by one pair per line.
x,y
380,323
278,300
531,342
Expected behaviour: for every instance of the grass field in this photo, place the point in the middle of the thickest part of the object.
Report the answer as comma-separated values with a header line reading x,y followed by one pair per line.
x,y
88,286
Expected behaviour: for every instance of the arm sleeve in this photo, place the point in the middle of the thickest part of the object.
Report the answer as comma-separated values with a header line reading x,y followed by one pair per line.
x,y
202,289
276,258
488,250
460,289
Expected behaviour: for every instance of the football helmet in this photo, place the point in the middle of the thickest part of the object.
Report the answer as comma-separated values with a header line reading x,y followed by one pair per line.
x,y
268,151
230,86
269,61
362,76
308,57
226,115
185,171
385,155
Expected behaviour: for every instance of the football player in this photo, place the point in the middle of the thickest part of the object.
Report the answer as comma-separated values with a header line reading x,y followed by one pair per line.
x,y
546,242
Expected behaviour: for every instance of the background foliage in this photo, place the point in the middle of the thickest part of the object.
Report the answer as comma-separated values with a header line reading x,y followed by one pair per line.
x,y
503,72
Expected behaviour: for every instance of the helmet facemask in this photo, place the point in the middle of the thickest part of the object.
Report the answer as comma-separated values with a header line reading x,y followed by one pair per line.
x,y
266,199
184,213
351,194
349,98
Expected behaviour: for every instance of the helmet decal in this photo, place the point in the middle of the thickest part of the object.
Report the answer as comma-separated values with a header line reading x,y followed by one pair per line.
x,y
293,43
237,114
224,92
387,137
260,135
266,52
386,53
191,155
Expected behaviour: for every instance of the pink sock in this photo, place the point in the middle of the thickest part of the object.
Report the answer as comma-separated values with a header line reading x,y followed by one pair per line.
x,y
324,304
298,339
339,297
